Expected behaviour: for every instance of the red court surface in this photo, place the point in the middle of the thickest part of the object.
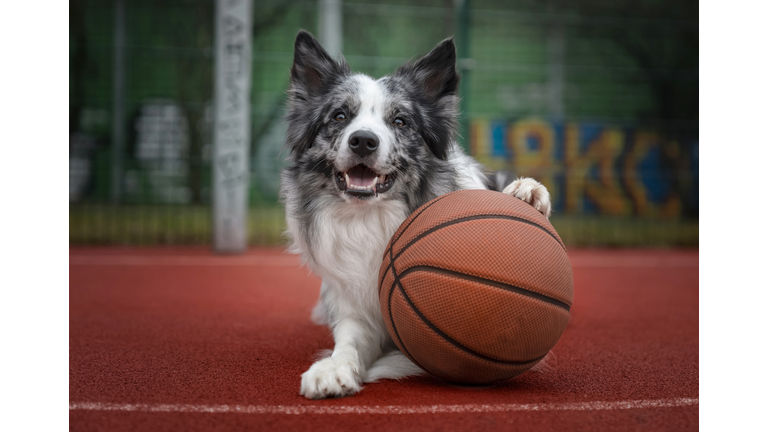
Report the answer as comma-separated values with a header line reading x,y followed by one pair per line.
x,y
177,339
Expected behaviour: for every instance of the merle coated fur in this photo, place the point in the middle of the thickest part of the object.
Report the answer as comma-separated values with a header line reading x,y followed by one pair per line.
x,y
342,237
319,85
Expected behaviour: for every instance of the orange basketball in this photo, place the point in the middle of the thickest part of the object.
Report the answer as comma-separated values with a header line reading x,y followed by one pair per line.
x,y
476,287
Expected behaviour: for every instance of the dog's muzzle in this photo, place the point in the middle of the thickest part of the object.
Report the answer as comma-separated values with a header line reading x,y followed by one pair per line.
x,y
362,182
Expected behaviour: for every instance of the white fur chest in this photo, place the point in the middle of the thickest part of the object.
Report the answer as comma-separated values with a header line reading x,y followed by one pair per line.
x,y
345,249
350,241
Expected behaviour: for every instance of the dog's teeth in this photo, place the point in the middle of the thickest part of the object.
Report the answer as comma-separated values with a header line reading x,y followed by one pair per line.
x,y
371,186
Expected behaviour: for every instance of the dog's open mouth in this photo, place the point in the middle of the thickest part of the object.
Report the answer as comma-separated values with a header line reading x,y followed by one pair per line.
x,y
362,182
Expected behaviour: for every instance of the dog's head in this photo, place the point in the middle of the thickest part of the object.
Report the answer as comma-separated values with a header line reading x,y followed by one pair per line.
x,y
363,139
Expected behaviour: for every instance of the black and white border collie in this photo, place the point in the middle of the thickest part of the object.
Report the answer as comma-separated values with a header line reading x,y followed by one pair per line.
x,y
364,154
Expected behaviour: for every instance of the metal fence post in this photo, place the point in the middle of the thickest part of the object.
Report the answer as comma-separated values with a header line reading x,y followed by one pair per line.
x,y
556,45
232,132
464,65
330,26
118,101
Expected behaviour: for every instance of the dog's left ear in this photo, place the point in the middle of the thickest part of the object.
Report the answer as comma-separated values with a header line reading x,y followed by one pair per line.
x,y
435,73
436,78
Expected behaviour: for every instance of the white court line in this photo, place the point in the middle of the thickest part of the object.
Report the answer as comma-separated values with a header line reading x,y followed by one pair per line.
x,y
390,409
293,261
194,261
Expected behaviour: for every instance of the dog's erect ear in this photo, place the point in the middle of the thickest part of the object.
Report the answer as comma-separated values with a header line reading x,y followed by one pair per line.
x,y
436,72
313,72
436,77
312,65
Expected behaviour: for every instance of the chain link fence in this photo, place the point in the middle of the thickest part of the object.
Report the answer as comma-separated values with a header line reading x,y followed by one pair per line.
x,y
598,100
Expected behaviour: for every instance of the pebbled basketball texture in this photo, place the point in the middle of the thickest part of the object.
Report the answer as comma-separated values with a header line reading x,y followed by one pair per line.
x,y
476,287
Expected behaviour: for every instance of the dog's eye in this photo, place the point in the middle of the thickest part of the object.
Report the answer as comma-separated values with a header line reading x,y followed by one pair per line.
x,y
399,122
340,116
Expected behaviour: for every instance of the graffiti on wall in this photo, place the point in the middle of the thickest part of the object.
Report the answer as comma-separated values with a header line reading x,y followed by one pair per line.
x,y
592,168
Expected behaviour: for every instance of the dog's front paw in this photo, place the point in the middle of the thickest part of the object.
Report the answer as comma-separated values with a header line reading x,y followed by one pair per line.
x,y
330,377
532,192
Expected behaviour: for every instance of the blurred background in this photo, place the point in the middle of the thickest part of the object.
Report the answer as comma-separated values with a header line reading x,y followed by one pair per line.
x,y
597,99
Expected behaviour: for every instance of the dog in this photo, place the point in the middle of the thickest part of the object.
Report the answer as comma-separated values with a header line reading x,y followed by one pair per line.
x,y
364,154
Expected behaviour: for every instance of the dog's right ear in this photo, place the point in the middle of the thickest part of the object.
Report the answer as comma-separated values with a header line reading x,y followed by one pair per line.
x,y
313,72
312,66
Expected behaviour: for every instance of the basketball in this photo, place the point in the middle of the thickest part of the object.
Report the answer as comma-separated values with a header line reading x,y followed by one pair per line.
x,y
476,287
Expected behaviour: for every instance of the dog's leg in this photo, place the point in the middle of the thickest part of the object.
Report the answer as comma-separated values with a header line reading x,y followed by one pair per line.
x,y
532,192
342,373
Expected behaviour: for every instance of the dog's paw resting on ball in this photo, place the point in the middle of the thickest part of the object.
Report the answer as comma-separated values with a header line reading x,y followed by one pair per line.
x,y
532,192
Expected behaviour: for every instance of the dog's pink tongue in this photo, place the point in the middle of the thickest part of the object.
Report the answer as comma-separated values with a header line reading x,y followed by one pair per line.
x,y
361,176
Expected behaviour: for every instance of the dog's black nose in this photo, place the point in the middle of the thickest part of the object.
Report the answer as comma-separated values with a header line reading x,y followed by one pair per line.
x,y
363,142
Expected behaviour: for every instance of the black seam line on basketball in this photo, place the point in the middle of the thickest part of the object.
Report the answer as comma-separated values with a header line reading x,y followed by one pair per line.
x,y
434,201
394,240
471,218
455,221
497,284
392,320
453,342
428,205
